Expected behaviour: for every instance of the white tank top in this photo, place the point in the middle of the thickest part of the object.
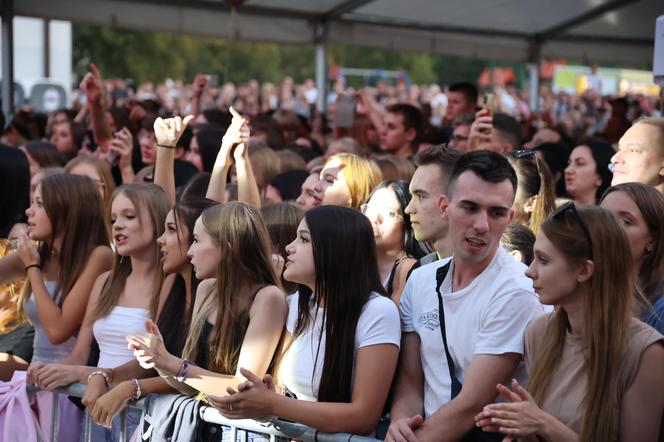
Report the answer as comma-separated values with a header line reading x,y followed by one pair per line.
x,y
110,332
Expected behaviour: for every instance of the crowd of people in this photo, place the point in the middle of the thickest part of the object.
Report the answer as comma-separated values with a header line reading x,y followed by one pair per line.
x,y
417,264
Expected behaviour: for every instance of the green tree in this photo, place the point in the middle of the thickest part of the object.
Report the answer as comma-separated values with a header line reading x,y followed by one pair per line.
x,y
154,56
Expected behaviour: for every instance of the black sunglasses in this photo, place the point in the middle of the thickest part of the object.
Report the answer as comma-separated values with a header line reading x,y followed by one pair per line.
x,y
560,212
521,154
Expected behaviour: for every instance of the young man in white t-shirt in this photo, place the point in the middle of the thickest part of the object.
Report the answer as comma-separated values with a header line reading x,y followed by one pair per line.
x,y
487,302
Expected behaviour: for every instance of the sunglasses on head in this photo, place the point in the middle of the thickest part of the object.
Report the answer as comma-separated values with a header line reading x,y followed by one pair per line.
x,y
559,214
521,154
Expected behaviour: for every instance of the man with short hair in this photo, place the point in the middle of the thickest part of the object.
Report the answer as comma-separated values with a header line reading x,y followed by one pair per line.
x,y
461,98
640,156
499,133
478,303
400,130
427,187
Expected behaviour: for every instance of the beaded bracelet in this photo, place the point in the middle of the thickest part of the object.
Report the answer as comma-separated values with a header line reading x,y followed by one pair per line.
x,y
31,266
184,369
135,390
167,147
107,380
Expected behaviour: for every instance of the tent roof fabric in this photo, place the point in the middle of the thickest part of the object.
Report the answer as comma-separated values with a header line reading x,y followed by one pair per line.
x,y
616,32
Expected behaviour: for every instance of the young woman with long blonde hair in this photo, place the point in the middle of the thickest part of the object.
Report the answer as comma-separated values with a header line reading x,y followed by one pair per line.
x,y
238,317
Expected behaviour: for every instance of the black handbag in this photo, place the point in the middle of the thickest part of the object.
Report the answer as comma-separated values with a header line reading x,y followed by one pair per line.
x,y
476,434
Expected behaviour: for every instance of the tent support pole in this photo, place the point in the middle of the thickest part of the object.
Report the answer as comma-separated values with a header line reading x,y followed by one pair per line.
x,y
320,39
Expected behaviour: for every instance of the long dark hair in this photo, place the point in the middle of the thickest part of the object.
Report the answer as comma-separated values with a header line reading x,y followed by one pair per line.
x,y
281,220
344,253
411,246
602,153
74,207
15,183
175,315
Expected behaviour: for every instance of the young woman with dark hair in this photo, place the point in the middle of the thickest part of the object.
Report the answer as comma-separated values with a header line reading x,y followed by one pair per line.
x,y
42,154
60,273
67,218
587,175
68,138
281,220
396,247
122,299
594,371
344,334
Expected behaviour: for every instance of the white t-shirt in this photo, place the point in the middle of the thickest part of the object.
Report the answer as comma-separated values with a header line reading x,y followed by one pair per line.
x,y
378,324
489,316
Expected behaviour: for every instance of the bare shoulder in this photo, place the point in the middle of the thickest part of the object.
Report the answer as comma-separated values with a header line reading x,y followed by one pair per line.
x,y
103,254
404,266
205,286
270,297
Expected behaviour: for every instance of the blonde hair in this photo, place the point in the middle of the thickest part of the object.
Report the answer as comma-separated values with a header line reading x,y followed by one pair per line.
x,y
246,258
102,168
361,175
147,199
265,163
608,308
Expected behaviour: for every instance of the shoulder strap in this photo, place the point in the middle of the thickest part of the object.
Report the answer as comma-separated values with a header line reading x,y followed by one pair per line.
x,y
441,273
390,281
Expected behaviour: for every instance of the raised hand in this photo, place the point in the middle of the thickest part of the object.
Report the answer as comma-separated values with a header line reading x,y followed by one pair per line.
x,y
237,132
27,250
480,130
92,85
200,83
168,131
123,146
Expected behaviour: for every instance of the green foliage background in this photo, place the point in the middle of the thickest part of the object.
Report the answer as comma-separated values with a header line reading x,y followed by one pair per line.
x,y
151,56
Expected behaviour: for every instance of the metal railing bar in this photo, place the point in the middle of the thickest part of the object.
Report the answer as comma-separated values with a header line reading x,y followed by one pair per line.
x,y
278,428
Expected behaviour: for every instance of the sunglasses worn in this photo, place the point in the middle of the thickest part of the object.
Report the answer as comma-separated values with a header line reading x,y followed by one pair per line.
x,y
559,214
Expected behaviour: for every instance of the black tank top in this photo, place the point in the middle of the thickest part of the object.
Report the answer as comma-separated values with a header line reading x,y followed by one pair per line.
x,y
203,349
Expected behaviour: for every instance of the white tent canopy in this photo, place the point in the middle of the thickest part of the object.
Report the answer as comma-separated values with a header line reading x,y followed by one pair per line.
x,y
616,32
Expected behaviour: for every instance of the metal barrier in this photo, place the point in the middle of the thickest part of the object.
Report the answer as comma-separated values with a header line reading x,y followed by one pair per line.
x,y
272,430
